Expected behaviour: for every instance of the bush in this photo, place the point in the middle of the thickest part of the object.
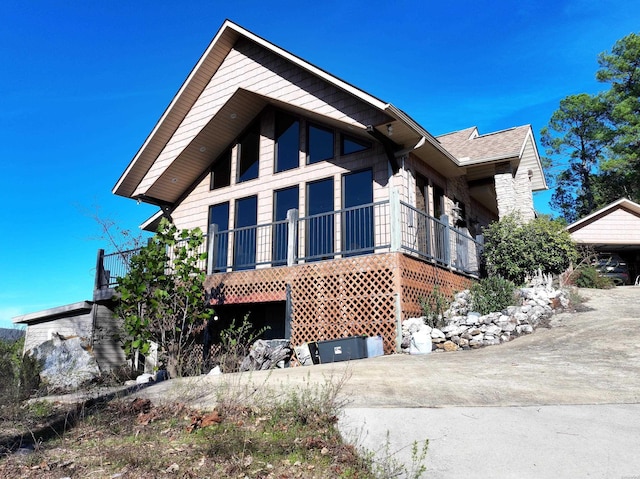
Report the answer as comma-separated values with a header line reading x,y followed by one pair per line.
x,y
588,277
19,375
492,294
433,307
514,249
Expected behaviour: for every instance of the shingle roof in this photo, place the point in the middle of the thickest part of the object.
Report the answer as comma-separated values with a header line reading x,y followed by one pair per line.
x,y
469,147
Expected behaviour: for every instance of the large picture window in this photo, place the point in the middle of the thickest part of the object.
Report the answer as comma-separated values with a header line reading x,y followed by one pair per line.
x,y
320,226
283,201
357,220
248,154
287,148
244,239
319,144
219,215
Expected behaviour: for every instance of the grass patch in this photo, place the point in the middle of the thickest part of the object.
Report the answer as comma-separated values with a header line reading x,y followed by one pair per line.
x,y
253,432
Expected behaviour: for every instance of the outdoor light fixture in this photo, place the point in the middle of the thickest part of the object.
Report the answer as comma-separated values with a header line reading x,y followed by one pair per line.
x,y
389,129
203,149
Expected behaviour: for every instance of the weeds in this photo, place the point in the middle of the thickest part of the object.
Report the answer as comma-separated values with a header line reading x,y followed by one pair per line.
x,y
254,431
433,307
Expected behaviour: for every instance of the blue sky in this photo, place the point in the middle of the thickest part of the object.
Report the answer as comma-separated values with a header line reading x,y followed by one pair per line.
x,y
83,83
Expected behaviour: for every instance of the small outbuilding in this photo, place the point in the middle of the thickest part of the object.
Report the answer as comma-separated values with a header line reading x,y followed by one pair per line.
x,y
613,229
94,323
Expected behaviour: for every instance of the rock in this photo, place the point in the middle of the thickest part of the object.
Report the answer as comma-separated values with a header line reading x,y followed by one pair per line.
x,y
450,346
493,330
436,333
463,343
265,354
475,332
67,363
144,378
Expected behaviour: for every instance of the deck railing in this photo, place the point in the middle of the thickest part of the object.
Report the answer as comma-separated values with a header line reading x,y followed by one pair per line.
x,y
379,227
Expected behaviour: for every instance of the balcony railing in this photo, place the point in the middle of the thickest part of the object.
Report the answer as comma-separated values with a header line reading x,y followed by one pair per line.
x,y
378,227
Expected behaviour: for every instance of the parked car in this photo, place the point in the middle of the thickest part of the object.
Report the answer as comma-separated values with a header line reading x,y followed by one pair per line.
x,y
614,267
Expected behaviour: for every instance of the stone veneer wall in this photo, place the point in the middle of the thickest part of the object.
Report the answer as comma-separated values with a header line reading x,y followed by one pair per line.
x,y
513,192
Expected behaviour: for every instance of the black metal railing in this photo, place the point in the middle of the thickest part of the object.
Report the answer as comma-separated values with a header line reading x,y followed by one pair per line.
x,y
372,228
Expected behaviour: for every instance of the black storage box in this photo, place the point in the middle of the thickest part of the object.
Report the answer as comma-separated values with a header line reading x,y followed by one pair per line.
x,y
342,349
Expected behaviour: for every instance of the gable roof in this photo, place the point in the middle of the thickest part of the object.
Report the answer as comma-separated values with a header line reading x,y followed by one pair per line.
x,y
216,103
471,148
145,175
621,203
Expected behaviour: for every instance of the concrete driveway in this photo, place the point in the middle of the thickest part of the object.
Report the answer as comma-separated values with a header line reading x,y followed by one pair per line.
x,y
562,402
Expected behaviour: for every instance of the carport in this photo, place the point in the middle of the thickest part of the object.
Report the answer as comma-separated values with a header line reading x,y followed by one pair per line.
x,y
612,229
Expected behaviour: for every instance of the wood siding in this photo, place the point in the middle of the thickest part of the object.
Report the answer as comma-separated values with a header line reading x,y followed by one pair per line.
x,y
107,334
79,325
255,69
619,226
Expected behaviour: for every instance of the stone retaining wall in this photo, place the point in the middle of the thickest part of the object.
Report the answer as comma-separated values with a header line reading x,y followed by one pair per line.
x,y
465,329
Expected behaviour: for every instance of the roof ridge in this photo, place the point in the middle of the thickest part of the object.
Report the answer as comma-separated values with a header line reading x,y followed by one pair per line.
x,y
502,131
457,131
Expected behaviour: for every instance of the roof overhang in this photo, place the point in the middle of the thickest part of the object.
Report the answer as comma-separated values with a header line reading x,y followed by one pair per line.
x,y
51,314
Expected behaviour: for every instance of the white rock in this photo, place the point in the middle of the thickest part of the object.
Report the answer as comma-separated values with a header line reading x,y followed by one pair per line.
x,y
144,378
436,333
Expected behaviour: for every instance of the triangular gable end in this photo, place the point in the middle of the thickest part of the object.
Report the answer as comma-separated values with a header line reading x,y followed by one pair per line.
x,y
616,223
249,78
270,75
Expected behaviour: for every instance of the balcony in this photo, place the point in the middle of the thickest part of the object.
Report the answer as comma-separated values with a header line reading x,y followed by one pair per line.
x,y
381,227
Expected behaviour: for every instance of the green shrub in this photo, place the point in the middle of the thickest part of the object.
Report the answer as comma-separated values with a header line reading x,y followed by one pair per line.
x,y
588,277
514,249
19,375
492,294
433,307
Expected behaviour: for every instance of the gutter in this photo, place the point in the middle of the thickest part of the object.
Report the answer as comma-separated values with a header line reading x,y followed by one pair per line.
x,y
407,120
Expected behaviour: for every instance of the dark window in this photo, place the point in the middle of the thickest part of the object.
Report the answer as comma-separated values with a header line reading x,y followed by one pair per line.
x,y
219,215
249,150
349,144
438,202
319,144
244,236
287,142
221,171
357,234
320,227
284,200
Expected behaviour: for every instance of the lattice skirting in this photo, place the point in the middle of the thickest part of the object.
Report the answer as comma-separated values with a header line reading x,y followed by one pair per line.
x,y
343,297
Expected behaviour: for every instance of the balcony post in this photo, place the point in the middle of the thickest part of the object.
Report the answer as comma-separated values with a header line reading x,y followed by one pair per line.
x,y
99,281
212,248
395,220
446,240
292,236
